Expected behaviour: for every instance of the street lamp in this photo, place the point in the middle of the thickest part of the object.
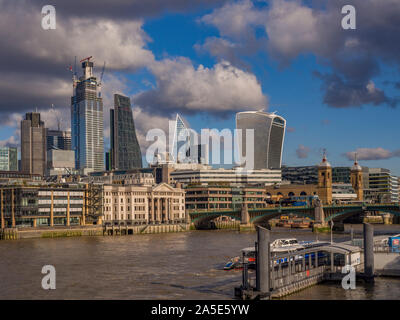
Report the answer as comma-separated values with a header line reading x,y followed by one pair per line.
x,y
331,231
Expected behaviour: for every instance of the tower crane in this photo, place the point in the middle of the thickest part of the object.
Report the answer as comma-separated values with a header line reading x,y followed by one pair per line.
x,y
101,78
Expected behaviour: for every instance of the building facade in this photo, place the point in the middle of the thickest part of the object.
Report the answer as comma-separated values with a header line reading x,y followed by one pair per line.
x,y
58,139
133,204
60,162
125,149
87,122
236,176
309,174
33,144
383,186
8,159
220,197
34,206
269,133
127,177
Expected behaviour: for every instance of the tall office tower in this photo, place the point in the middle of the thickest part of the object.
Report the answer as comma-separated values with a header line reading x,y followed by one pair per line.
x,y
58,139
186,145
269,134
108,161
181,137
125,149
33,144
8,159
87,122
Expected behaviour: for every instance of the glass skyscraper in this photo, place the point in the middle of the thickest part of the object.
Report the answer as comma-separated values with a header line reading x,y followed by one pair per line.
x,y
269,134
8,159
125,149
87,122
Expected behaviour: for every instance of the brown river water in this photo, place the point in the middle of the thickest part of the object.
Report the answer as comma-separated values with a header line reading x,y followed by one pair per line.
x,y
157,266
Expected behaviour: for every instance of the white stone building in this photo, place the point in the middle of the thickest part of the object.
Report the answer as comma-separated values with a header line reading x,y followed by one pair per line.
x,y
139,204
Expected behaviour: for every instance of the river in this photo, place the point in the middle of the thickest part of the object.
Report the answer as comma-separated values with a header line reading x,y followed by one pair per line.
x,y
184,265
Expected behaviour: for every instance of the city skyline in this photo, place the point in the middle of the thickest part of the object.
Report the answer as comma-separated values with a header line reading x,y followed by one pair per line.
x,y
292,78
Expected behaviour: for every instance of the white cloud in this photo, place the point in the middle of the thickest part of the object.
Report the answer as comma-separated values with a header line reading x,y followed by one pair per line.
x,y
235,19
220,89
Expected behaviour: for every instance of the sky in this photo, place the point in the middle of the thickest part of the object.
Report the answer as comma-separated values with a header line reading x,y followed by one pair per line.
x,y
338,89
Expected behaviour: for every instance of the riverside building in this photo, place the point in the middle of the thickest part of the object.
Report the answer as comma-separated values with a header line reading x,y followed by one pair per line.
x,y
220,197
139,204
34,206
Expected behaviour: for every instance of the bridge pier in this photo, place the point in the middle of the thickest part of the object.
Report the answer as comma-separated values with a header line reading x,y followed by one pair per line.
x,y
245,224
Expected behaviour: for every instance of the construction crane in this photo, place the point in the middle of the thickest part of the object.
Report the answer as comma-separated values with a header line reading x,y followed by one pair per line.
x,y
57,117
101,78
88,59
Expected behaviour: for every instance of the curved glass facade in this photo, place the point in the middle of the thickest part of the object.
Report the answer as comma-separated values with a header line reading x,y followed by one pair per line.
x,y
269,134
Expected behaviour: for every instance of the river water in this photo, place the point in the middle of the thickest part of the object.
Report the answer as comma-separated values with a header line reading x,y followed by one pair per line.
x,y
184,265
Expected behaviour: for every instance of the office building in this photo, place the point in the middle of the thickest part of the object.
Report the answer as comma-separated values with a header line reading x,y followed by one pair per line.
x,y
108,161
186,144
309,174
60,162
300,175
121,177
125,149
221,197
236,176
87,122
33,144
35,206
58,139
269,134
382,186
8,159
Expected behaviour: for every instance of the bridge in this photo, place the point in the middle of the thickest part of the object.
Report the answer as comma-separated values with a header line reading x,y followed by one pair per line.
x,y
318,214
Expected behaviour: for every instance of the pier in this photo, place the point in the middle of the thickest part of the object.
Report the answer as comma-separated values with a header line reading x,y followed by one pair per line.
x,y
278,275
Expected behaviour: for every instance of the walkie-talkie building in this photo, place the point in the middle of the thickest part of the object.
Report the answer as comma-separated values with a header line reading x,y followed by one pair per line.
x,y
125,149
87,122
269,134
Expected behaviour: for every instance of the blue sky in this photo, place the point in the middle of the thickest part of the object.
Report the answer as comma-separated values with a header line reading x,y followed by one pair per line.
x,y
338,89
296,94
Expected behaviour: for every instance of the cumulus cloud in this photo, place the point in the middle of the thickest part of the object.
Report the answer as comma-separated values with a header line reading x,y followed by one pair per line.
x,y
184,88
302,152
235,19
372,154
294,28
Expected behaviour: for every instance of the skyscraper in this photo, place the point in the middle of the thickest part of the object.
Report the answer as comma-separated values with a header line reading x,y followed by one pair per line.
x,y
186,146
269,134
33,144
181,137
87,122
58,139
125,149
8,159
